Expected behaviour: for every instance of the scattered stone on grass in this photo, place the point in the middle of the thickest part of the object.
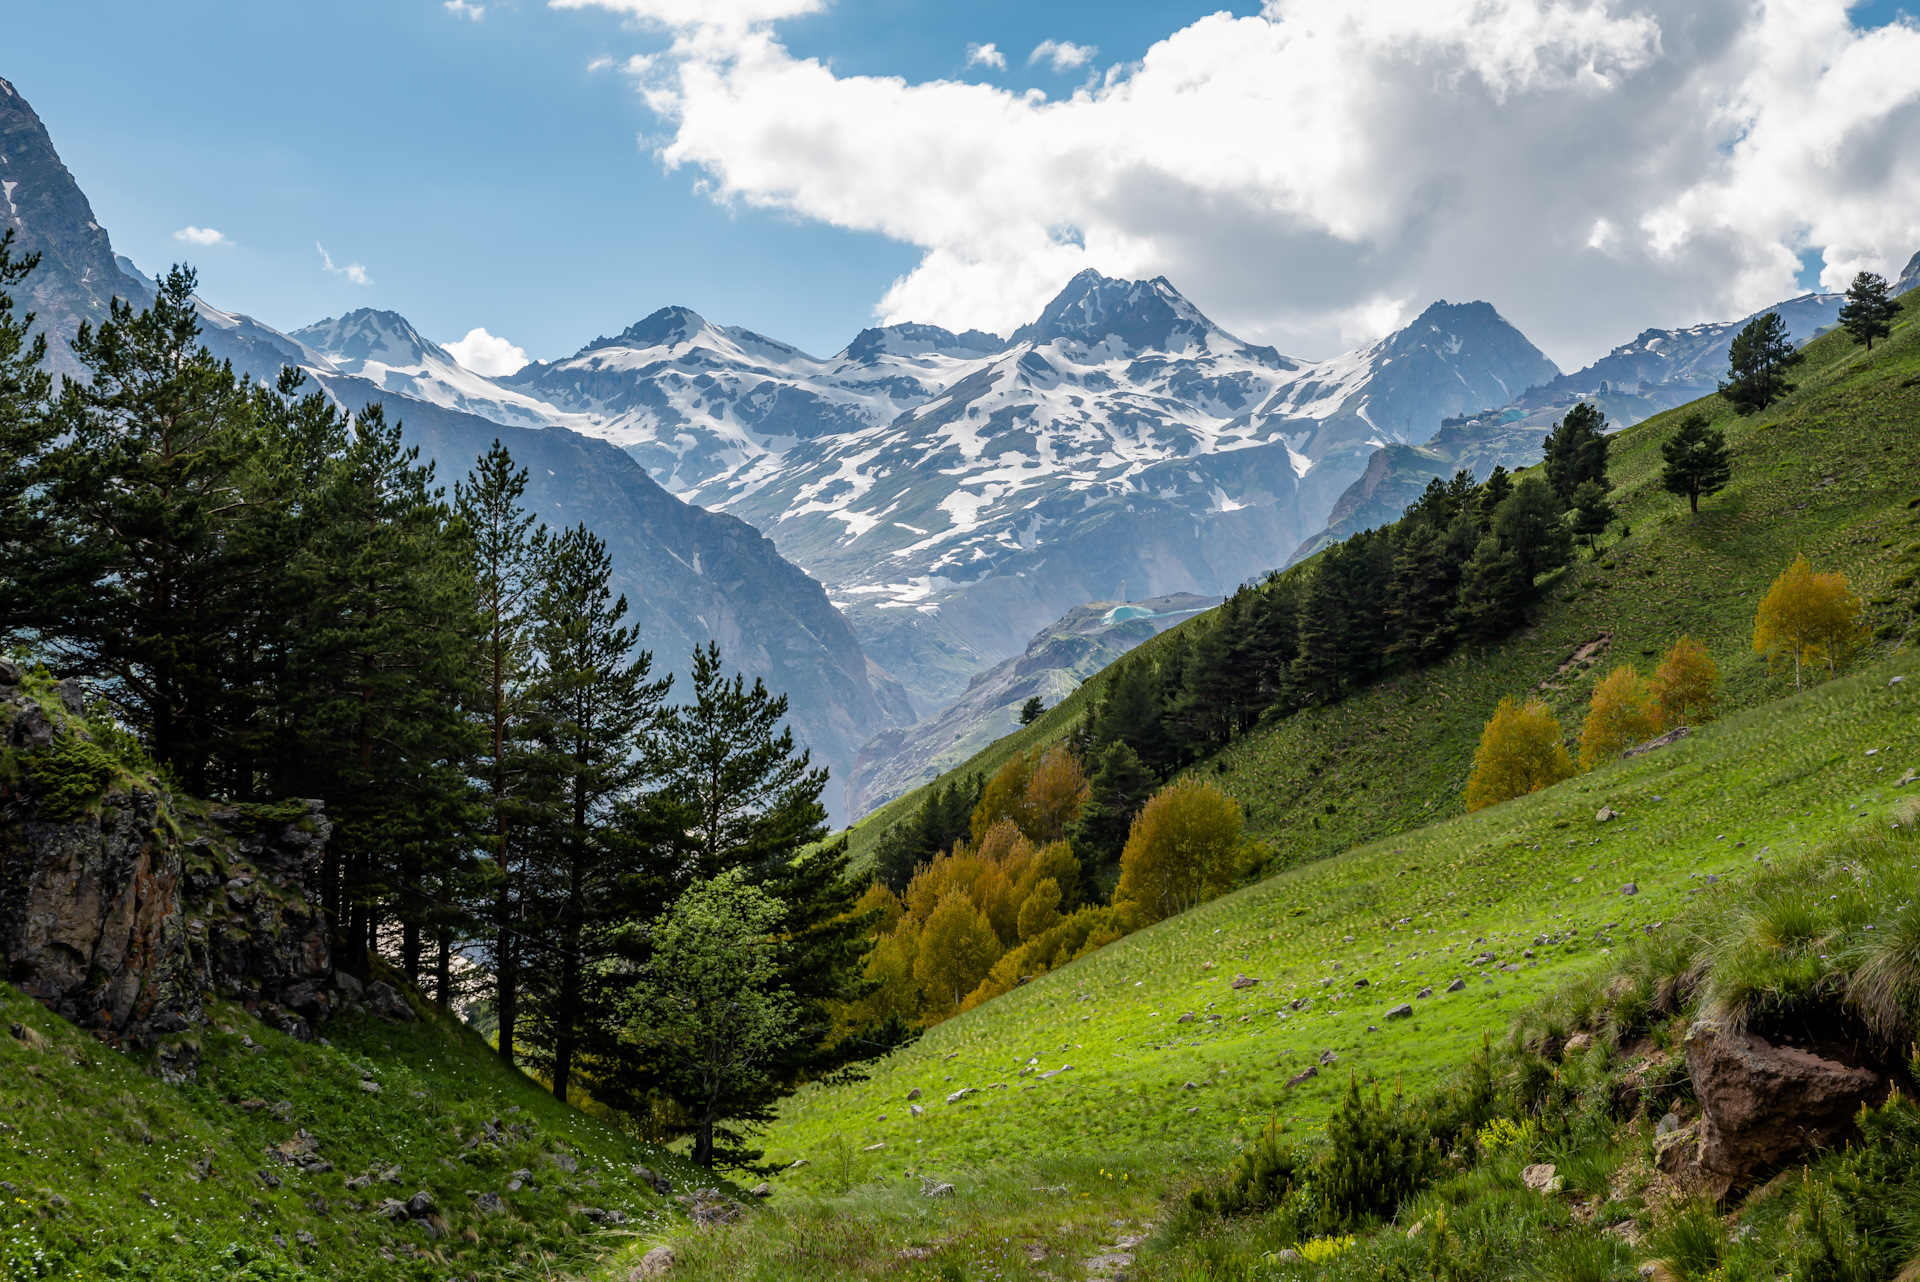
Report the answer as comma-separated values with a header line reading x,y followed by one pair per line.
x,y
653,1264
1541,1178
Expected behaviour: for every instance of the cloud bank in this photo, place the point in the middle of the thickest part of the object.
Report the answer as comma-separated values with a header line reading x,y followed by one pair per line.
x,y
485,353
1313,175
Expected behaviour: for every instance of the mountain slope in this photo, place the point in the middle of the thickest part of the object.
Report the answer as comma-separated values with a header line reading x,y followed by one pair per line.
x,y
50,216
1052,666
1385,879
688,574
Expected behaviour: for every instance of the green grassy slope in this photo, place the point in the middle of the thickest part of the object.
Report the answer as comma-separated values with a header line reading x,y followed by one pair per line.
x,y
1405,913
116,1174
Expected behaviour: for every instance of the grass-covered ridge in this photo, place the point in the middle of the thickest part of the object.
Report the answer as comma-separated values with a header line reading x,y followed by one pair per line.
x,y
115,1173
1406,913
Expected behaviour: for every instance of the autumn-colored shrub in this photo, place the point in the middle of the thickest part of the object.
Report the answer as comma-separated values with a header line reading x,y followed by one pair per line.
x,y
1686,685
1040,791
1183,850
1807,617
1622,714
1521,751
957,949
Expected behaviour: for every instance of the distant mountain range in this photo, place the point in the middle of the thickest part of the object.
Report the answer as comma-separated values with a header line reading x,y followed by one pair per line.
x,y
1659,369
959,492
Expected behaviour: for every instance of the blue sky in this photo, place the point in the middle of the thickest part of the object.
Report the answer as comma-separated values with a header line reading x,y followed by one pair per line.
x,y
483,174
478,170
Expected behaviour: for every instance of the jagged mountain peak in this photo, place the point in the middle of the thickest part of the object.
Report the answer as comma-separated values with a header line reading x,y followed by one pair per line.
x,y
667,327
1909,276
369,334
1146,315
913,339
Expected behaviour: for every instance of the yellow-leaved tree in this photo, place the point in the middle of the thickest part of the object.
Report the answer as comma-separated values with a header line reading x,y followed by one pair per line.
x,y
1184,848
1521,751
1040,791
1686,685
1807,616
1622,714
957,949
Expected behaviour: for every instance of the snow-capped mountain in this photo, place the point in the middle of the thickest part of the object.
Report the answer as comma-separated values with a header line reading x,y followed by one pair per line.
x,y
697,402
386,350
957,492
1662,368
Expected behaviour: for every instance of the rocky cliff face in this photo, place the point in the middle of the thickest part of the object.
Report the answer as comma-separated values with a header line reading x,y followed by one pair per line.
x,y
50,216
121,911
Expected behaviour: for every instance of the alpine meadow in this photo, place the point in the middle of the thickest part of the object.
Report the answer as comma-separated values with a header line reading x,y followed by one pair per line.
x,y
1066,792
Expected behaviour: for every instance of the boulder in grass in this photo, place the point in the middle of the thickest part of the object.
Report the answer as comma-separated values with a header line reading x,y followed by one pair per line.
x,y
655,1263
1762,1104
1244,981
1306,1074
1402,1011
388,1003
1542,1179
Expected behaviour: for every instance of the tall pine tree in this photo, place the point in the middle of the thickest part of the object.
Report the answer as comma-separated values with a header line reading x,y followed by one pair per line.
x,y
503,552
1869,310
136,584
1758,363
26,431
596,706
1576,452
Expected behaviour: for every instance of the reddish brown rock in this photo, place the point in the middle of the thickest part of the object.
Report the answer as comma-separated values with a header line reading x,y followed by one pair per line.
x,y
1763,1104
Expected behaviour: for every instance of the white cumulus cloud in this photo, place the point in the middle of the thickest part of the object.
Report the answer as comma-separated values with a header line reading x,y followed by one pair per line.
x,y
354,272
986,56
1064,55
201,236
485,353
461,9
1321,169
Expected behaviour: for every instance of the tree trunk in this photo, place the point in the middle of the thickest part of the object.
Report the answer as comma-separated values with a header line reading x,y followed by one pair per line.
x,y
443,973
506,965
703,1142
1693,497
563,1021
410,948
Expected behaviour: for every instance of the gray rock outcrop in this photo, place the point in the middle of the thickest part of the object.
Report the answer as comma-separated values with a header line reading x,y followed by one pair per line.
x,y
120,913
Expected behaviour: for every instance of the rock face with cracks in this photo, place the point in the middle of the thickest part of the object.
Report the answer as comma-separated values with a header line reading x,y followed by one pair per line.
x,y
120,913
1760,1105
